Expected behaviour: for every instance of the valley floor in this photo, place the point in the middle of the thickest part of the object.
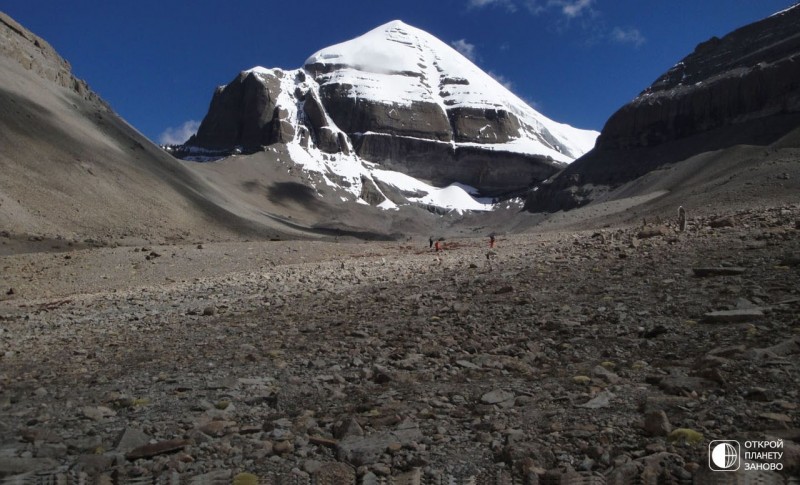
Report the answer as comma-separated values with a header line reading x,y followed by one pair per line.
x,y
585,354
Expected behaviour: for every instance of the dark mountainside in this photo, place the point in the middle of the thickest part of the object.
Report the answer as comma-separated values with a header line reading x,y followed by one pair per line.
x,y
742,89
74,171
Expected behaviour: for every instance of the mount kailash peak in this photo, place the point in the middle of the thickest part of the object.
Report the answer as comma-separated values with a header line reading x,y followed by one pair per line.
x,y
393,117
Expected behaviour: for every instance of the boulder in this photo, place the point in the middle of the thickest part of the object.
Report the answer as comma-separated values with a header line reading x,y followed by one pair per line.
x,y
327,140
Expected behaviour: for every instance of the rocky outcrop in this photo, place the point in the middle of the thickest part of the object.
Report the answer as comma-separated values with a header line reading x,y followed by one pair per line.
x,y
750,73
740,89
244,113
355,115
473,125
493,173
36,55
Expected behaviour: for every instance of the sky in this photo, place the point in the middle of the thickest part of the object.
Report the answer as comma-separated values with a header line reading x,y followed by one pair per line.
x,y
157,63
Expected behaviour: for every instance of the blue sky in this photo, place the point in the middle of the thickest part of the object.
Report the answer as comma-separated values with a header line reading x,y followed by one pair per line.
x,y
577,61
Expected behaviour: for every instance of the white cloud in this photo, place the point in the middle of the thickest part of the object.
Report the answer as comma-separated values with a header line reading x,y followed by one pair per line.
x,y
508,4
179,134
466,49
627,36
533,103
571,8
534,7
502,80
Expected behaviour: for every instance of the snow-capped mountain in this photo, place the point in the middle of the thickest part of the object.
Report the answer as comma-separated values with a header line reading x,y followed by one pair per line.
x,y
396,114
399,65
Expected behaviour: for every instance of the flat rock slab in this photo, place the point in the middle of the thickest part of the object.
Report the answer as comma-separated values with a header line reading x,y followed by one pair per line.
x,y
366,450
680,385
131,439
497,396
721,271
733,316
155,449
602,400
12,465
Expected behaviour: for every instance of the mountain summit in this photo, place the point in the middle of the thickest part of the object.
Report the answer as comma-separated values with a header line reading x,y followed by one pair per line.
x,y
399,65
397,115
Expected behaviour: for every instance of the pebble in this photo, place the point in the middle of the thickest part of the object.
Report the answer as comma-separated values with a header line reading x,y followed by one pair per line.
x,y
656,423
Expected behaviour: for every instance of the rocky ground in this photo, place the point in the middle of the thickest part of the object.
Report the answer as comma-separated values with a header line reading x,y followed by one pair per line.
x,y
611,356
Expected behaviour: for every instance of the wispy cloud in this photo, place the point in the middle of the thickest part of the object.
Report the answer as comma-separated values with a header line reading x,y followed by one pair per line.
x,y
572,8
502,80
466,49
568,15
629,35
177,135
569,8
507,4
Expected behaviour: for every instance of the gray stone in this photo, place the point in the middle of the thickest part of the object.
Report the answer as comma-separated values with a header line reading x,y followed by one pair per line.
x,y
720,271
601,400
98,413
656,423
334,473
733,316
132,438
679,385
155,449
605,374
366,450
347,427
49,450
16,466
497,396
93,464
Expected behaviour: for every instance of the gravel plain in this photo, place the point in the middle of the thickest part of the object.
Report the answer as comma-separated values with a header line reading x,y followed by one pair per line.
x,y
609,356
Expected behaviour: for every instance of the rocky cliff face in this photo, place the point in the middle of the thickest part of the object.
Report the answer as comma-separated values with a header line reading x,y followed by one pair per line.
x,y
750,73
244,113
36,55
740,89
399,98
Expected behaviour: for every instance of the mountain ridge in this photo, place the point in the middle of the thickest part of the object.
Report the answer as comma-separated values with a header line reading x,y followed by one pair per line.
x,y
740,89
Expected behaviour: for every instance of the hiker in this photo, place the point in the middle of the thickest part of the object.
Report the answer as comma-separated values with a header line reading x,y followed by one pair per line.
x,y
437,246
491,240
430,242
